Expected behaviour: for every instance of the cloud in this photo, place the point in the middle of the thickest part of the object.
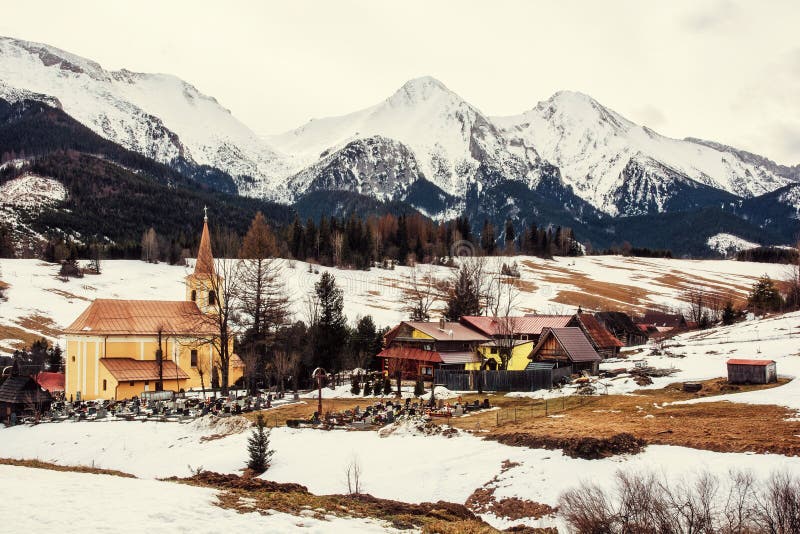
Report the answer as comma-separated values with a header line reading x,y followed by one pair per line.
x,y
713,17
650,116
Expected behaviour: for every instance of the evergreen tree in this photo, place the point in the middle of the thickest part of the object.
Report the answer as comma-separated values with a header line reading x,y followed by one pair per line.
x,y
464,297
258,447
419,387
355,384
367,387
510,236
728,313
487,238
387,385
765,296
330,331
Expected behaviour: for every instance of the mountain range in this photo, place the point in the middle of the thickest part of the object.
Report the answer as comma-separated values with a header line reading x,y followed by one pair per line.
x,y
568,161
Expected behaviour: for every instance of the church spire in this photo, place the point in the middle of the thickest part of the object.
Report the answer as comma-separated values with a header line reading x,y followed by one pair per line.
x,y
205,260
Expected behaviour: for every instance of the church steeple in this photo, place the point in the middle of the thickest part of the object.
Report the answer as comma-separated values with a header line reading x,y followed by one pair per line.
x,y
202,285
205,259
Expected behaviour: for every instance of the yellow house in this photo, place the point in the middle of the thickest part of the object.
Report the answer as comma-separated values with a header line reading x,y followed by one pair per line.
x,y
113,347
490,354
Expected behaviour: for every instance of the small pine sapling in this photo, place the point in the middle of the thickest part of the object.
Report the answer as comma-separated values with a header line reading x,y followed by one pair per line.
x,y
258,448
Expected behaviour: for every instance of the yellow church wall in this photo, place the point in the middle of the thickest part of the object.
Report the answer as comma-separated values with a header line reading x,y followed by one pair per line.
x,y
85,373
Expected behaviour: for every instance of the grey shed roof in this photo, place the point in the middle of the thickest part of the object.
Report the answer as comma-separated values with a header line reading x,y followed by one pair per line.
x,y
573,341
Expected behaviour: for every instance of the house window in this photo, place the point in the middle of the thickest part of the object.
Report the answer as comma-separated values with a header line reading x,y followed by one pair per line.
x,y
427,347
73,358
212,298
194,358
524,337
426,371
104,384
494,350
146,382
130,383
194,295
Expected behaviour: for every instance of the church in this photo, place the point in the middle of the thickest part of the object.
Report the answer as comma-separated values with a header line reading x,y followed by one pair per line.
x,y
118,349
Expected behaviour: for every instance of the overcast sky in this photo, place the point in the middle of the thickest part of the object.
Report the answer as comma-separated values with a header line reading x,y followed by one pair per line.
x,y
721,69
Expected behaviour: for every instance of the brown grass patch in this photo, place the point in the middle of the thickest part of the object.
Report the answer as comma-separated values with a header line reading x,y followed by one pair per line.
x,y
715,426
44,326
37,464
67,294
247,494
25,338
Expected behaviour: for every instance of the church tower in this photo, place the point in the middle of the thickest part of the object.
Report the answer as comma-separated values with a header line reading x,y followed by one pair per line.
x,y
202,286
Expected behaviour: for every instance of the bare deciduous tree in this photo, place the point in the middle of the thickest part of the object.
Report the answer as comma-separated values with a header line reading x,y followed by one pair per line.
x,y
421,294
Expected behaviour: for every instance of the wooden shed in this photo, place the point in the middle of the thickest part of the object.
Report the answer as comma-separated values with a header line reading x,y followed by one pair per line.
x,y
21,395
752,371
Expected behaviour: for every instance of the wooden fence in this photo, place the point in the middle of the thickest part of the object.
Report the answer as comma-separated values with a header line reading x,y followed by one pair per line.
x,y
529,380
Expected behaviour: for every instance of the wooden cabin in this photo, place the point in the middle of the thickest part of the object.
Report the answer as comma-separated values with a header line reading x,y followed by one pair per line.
x,y
417,348
21,395
752,371
566,346
622,326
603,341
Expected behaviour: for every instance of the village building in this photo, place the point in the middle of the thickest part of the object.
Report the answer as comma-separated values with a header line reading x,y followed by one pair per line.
x,y
568,346
664,322
20,395
603,341
52,382
417,348
622,327
118,349
752,371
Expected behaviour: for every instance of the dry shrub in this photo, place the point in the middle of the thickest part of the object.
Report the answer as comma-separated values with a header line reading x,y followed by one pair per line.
x,y
648,504
588,448
247,483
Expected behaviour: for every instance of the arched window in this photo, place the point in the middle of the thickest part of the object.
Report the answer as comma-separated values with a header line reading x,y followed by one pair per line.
x,y
194,295
212,298
104,384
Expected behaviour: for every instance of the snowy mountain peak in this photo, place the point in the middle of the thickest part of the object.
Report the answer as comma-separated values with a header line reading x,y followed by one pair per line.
x,y
157,115
420,89
594,147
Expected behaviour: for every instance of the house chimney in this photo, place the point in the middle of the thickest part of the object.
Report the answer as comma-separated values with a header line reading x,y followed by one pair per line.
x,y
442,322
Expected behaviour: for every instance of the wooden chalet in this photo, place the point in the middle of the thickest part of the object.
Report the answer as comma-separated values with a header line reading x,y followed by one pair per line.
x,y
622,326
417,348
566,347
603,341
21,395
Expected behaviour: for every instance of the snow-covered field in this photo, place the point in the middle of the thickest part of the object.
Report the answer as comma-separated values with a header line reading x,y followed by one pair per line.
x,y
78,502
434,467
36,292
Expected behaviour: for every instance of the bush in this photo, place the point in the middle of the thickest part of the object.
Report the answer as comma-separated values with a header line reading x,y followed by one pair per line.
x,y
387,386
419,388
258,447
367,388
355,387
645,503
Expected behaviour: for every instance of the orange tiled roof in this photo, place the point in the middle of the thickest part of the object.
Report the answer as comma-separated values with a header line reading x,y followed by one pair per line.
x,y
121,317
205,260
599,334
130,370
